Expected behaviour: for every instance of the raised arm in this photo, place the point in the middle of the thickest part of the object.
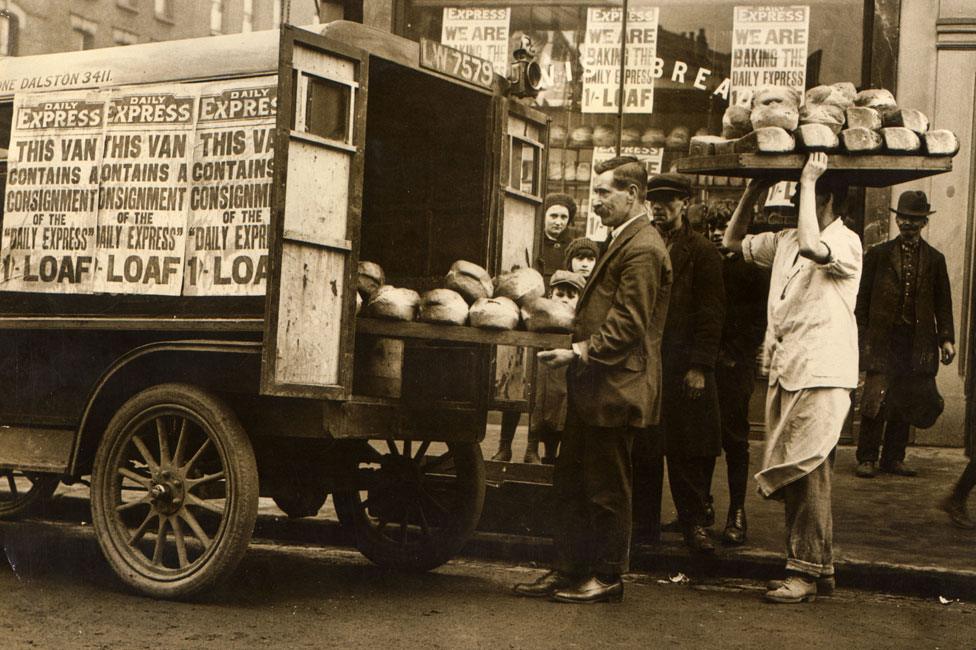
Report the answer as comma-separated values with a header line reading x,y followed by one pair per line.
x,y
807,224
738,225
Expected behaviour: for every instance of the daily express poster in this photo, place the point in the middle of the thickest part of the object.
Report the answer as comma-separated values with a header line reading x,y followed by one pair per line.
x,y
151,190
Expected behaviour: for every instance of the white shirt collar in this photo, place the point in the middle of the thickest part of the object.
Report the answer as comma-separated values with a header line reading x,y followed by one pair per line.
x,y
619,229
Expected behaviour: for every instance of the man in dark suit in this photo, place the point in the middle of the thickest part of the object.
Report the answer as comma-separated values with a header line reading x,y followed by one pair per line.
x,y
904,317
690,416
614,383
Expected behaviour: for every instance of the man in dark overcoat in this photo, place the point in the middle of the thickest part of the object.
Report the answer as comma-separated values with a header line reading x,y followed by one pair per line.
x,y
904,318
614,382
691,424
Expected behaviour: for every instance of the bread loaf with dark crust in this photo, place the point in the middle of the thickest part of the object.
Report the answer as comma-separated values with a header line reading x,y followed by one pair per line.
x,y
469,280
863,117
941,142
877,98
370,278
547,315
770,139
908,118
520,285
899,140
861,140
443,306
736,122
816,137
393,303
498,313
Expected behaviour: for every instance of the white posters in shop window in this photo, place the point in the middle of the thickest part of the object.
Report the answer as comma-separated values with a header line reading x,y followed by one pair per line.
x,y
481,31
769,48
146,146
51,198
600,58
652,157
230,200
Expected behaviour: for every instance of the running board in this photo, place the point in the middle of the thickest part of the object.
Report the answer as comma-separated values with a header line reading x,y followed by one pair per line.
x,y
34,449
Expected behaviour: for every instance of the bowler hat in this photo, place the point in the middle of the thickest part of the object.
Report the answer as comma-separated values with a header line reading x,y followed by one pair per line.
x,y
671,183
913,203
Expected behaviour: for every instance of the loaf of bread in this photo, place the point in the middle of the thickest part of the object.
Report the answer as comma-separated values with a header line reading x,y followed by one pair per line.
x,y
900,140
678,138
393,303
604,136
816,137
770,139
736,122
876,98
704,145
547,315
443,306
941,142
775,106
494,313
520,285
908,118
469,280
630,137
863,117
829,115
653,138
861,140
370,278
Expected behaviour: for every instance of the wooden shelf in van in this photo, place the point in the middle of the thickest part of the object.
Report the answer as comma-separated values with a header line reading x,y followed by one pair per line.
x,y
461,333
867,170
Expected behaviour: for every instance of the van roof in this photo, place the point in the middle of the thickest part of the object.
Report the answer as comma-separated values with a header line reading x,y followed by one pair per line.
x,y
193,59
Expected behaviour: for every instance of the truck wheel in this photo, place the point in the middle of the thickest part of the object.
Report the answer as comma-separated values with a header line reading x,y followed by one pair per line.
x,y
23,492
174,491
416,510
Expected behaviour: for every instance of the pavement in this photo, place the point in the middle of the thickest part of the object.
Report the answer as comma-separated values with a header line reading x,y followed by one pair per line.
x,y
889,534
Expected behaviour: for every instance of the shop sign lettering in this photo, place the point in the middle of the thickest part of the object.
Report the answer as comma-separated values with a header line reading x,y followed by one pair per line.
x,y
769,48
481,32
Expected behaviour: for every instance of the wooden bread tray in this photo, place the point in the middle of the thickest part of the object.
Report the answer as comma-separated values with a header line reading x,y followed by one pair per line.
x,y
872,170
461,333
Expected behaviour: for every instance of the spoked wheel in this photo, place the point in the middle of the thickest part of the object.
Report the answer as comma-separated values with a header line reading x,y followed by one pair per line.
x,y
418,503
174,491
23,492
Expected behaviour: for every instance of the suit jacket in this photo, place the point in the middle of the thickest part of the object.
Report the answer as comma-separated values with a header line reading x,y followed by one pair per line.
x,y
878,301
746,292
621,314
692,335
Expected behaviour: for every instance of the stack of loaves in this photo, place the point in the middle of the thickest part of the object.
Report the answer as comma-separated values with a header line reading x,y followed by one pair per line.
x,y
469,296
828,118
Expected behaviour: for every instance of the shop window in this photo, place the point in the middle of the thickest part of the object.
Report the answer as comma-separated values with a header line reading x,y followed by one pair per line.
x,y
216,17
524,166
84,33
123,37
163,9
683,64
326,109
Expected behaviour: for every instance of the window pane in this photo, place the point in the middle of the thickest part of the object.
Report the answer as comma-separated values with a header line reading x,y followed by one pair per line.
x,y
327,109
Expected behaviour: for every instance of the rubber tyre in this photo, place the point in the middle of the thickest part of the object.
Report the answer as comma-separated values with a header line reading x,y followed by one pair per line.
x,y
232,448
469,486
41,490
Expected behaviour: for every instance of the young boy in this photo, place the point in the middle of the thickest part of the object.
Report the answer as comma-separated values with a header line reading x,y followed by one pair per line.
x,y
581,256
548,415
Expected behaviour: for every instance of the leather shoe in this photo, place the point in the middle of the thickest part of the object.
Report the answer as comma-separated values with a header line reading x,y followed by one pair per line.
x,y
696,539
545,586
957,512
898,468
793,590
825,585
503,455
531,458
592,590
866,469
735,527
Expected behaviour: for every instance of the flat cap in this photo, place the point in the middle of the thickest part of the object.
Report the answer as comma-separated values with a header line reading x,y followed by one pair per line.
x,y
567,277
674,183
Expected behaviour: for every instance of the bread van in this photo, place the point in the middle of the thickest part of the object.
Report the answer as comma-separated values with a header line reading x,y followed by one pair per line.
x,y
181,230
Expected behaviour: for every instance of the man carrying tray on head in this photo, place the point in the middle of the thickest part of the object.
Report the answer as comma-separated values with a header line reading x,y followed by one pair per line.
x,y
811,353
